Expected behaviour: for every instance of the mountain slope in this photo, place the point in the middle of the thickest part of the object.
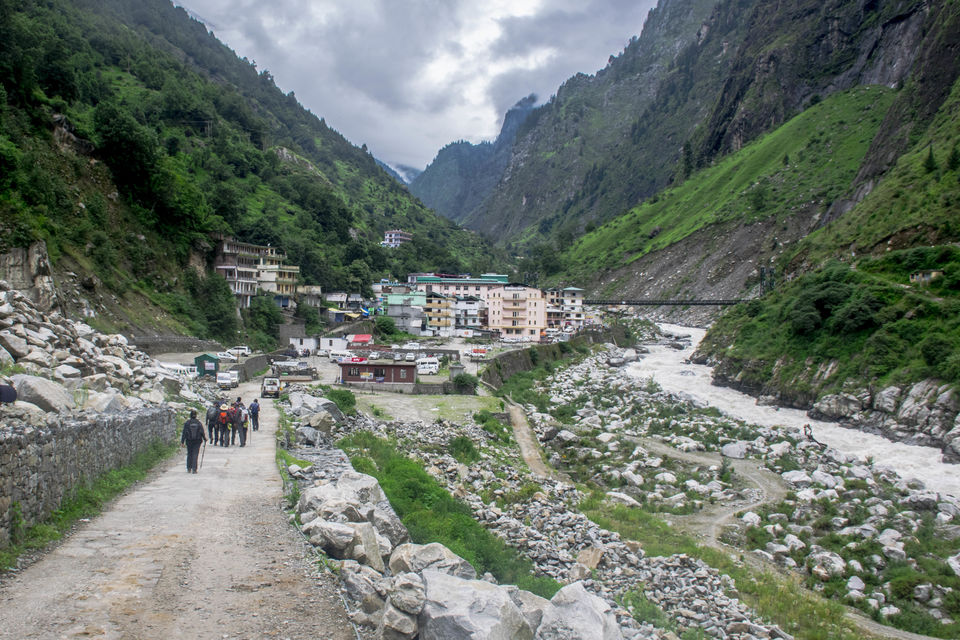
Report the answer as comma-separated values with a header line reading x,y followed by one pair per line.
x,y
129,134
462,175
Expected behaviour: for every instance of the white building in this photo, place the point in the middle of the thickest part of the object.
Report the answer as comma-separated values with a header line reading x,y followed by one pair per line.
x,y
518,312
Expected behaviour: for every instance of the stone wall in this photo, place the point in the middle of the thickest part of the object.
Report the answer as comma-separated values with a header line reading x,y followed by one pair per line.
x,y
154,345
507,364
28,270
39,466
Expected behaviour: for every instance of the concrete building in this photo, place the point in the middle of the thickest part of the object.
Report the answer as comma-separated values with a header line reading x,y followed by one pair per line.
x,y
310,295
395,237
518,312
440,315
378,371
462,285
565,308
238,262
407,311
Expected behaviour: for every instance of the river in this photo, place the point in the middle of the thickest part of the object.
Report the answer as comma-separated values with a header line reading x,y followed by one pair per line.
x,y
668,368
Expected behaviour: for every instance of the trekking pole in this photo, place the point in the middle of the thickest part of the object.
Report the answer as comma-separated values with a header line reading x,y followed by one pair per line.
x,y
202,451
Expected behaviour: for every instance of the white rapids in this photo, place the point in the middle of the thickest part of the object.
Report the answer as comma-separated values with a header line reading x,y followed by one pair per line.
x,y
667,367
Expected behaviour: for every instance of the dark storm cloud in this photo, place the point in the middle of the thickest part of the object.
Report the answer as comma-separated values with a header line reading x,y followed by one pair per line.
x,y
407,77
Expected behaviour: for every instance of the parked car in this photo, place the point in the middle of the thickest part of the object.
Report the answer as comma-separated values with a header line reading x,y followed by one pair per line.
x,y
411,357
412,345
226,355
241,350
397,357
428,366
322,353
374,355
270,387
234,378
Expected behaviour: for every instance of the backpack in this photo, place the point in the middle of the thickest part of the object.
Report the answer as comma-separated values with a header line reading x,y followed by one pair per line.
x,y
193,431
224,418
232,413
243,415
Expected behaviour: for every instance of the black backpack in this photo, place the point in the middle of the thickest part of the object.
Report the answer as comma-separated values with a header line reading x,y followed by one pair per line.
x,y
193,430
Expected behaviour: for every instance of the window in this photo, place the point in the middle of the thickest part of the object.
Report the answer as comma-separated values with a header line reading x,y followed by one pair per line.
x,y
403,374
379,373
354,371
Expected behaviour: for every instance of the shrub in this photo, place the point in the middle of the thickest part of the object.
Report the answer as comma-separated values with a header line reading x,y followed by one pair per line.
x,y
465,383
344,399
463,450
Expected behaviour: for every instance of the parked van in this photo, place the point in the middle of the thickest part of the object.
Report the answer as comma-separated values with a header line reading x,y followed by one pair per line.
x,y
224,380
335,356
428,366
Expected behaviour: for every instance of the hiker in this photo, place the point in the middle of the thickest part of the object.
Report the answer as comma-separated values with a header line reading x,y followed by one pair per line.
x,y
193,436
242,424
223,426
254,411
212,412
235,420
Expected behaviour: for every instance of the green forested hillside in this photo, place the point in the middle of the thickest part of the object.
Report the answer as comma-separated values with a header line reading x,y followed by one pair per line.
x,y
798,169
129,134
863,316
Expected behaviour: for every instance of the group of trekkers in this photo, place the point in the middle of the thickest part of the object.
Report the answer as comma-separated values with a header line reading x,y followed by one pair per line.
x,y
226,423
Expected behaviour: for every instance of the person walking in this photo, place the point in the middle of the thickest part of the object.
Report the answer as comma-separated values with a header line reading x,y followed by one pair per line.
x,y
235,420
193,436
212,412
254,411
223,426
244,417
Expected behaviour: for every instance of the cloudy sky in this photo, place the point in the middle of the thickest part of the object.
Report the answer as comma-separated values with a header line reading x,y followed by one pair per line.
x,y
407,77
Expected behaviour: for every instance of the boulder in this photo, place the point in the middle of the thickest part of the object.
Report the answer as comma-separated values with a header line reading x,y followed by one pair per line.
x,y
407,593
841,406
797,477
736,450
531,606
362,585
832,564
396,624
458,608
308,435
576,614
385,519
622,498
14,344
416,558
46,394
333,537
365,547
322,422
751,519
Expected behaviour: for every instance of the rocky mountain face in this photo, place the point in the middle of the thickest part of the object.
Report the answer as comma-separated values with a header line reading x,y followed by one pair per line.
x,y
462,175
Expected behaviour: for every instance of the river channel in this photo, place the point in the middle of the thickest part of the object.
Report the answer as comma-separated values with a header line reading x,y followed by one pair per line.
x,y
669,369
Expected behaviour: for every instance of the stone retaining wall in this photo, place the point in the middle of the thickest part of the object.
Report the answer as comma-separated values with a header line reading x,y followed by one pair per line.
x,y
155,345
38,467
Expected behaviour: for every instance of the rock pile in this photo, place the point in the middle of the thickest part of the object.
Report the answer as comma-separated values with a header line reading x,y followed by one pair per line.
x,y
401,590
64,367
848,520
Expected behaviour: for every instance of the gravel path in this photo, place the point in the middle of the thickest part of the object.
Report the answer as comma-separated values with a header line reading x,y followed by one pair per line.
x,y
183,556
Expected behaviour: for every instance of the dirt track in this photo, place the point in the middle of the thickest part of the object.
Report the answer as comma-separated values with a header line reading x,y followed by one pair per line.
x,y
183,556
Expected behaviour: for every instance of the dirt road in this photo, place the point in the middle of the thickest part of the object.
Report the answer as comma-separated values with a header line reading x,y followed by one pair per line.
x,y
183,556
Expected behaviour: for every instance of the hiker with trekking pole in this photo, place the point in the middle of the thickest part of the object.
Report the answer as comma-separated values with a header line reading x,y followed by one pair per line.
x,y
192,435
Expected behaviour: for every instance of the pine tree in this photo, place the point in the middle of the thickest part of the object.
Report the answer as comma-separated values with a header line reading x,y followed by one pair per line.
x,y
930,164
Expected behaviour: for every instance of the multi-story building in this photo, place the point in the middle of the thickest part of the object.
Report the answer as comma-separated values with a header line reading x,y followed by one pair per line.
x,y
517,312
395,237
407,311
565,308
237,262
251,268
310,295
466,312
277,278
440,314
463,285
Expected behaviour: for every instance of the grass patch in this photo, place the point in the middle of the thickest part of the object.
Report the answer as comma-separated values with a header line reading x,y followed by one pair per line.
x,y
344,399
431,514
84,501
781,599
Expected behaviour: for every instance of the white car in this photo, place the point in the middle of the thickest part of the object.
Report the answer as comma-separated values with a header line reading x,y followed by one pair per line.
x,y
226,355
242,350
412,345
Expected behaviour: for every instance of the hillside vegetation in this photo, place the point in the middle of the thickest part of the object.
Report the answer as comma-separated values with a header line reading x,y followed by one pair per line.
x,y
800,168
129,135
863,316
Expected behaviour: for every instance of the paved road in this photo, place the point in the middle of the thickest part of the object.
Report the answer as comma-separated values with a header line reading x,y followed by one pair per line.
x,y
183,556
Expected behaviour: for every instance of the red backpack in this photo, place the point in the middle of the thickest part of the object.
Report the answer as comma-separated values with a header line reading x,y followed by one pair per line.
x,y
223,418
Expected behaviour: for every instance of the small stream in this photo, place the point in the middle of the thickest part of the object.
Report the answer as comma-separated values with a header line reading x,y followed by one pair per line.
x,y
668,368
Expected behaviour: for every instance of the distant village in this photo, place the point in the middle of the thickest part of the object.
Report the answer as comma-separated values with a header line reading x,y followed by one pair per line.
x,y
427,304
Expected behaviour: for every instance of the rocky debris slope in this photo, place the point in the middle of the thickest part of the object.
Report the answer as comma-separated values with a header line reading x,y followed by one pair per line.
x,y
535,515
854,528
60,367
